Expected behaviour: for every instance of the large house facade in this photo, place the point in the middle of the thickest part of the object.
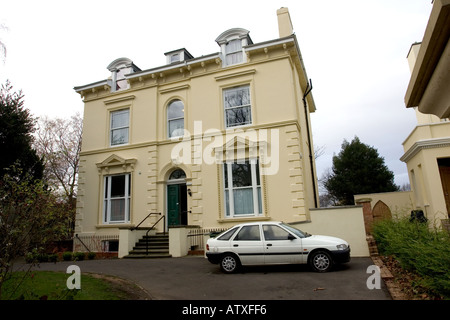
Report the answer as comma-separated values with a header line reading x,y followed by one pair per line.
x,y
206,141
427,148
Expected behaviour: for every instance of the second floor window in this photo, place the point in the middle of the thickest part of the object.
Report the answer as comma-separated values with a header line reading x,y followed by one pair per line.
x,y
175,119
237,106
120,125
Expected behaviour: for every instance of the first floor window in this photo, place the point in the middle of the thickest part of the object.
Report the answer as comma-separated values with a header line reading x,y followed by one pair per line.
x,y
117,199
120,124
237,106
175,119
242,188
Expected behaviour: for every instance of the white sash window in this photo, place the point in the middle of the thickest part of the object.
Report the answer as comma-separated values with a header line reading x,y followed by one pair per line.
x,y
117,198
242,188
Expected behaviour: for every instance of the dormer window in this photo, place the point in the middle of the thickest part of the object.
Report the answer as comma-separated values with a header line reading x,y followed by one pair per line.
x,y
178,56
119,69
232,43
233,52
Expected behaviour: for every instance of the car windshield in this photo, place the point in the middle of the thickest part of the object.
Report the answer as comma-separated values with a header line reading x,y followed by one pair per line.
x,y
296,231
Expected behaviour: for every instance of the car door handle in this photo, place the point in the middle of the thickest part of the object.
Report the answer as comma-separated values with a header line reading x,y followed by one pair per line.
x,y
269,244
235,245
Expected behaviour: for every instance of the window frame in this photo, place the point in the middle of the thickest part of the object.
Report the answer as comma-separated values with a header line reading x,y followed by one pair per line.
x,y
107,199
225,108
111,129
230,52
174,119
229,188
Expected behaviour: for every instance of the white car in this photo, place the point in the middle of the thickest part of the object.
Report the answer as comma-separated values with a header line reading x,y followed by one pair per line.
x,y
266,243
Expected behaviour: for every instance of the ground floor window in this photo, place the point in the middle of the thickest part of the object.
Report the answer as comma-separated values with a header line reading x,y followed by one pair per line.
x,y
116,208
242,188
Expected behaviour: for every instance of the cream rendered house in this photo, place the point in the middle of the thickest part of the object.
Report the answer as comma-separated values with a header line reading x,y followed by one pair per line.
x,y
427,148
207,141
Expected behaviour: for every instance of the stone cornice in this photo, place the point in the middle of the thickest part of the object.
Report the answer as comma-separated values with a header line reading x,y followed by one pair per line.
x,y
425,144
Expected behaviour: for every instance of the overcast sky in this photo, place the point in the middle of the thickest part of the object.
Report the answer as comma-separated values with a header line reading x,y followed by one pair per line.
x,y
354,52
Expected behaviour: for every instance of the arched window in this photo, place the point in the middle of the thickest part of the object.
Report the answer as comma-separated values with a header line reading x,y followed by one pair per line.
x,y
177,174
175,119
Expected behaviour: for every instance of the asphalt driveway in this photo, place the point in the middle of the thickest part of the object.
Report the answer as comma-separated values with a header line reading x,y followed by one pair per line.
x,y
194,278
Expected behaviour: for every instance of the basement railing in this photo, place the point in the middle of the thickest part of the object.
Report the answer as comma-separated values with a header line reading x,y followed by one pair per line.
x,y
163,217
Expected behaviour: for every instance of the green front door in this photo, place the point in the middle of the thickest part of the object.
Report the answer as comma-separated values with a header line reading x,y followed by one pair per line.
x,y
173,204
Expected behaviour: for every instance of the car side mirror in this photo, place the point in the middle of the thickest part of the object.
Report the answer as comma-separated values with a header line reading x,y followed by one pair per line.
x,y
291,237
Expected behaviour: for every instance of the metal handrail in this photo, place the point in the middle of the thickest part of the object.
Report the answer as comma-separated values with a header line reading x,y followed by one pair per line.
x,y
144,220
76,235
151,228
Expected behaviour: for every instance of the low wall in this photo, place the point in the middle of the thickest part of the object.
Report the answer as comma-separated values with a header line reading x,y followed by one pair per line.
x,y
343,222
128,238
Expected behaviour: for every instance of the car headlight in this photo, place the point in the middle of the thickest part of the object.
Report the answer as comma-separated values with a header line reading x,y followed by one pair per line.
x,y
341,246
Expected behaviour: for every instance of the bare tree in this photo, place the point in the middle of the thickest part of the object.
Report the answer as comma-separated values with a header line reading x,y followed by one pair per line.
x,y
58,142
2,44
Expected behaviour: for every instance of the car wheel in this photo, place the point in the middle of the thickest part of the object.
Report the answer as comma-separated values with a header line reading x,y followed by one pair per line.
x,y
229,263
321,261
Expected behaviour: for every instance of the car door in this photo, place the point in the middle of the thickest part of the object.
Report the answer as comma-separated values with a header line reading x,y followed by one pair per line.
x,y
281,246
248,245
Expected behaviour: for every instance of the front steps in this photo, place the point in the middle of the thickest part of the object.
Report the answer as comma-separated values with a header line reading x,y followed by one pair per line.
x,y
158,247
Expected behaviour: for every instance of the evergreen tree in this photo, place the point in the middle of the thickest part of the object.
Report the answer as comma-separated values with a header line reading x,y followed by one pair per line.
x,y
16,129
358,169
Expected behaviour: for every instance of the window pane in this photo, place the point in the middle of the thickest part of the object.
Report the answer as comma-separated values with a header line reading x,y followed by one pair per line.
x,y
258,183
233,46
275,233
249,233
121,84
177,174
242,174
175,110
227,235
225,174
119,119
243,201
117,210
176,128
117,186
119,136
259,200
237,97
234,58
238,116
227,203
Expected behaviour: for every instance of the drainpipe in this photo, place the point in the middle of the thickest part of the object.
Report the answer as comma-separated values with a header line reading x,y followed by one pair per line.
x,y
311,160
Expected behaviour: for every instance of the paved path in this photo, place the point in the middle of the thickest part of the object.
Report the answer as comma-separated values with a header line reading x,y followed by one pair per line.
x,y
194,278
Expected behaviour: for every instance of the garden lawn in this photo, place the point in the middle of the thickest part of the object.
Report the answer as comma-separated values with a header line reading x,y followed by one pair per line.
x,y
47,285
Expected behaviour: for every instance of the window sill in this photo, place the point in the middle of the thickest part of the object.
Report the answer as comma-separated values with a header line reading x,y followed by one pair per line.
x,y
244,219
115,225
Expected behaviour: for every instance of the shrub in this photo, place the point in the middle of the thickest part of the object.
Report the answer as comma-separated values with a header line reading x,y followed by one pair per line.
x,y
419,249
91,255
67,256
78,256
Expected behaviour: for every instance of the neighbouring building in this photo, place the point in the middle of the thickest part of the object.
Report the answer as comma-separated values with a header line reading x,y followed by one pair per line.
x,y
207,141
427,148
